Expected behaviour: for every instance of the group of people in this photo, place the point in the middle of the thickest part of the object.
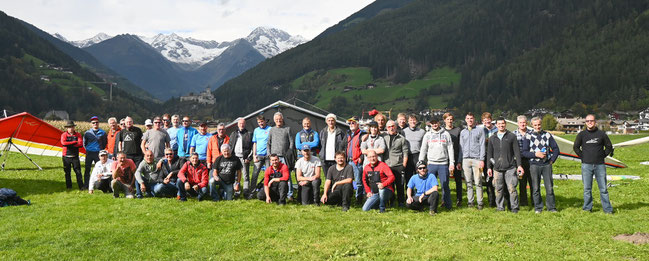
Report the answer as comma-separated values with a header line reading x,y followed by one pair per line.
x,y
173,159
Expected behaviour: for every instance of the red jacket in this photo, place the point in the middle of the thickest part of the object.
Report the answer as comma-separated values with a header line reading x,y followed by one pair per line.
x,y
283,170
354,146
71,143
386,175
213,149
112,136
195,176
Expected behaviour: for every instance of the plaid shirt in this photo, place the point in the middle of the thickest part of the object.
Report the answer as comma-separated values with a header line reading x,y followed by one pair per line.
x,y
521,137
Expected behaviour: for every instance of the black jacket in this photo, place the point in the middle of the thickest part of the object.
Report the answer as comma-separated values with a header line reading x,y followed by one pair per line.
x,y
592,146
246,138
341,141
503,154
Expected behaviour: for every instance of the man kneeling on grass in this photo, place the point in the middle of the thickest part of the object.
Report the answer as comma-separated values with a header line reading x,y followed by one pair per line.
x,y
226,174
151,180
123,176
425,185
275,182
192,179
307,170
101,174
377,179
341,176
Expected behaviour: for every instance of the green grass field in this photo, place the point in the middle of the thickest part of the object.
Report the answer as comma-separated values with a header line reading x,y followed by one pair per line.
x,y
65,225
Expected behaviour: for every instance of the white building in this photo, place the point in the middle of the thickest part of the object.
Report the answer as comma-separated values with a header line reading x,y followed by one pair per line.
x,y
205,97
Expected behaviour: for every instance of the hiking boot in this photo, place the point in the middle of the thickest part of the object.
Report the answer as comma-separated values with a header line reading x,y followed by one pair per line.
x,y
515,211
345,208
458,204
554,211
432,213
470,205
479,207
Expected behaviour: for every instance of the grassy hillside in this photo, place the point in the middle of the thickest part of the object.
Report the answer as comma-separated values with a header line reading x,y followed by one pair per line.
x,y
65,225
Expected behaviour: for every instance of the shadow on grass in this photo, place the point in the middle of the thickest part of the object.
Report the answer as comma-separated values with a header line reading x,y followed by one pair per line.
x,y
25,187
35,168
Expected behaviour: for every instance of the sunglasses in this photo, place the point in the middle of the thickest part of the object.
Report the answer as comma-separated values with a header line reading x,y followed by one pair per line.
x,y
185,121
306,150
590,121
156,122
165,120
95,122
169,154
421,168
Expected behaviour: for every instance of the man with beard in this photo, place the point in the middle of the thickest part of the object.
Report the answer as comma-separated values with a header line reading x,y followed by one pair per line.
x,y
338,187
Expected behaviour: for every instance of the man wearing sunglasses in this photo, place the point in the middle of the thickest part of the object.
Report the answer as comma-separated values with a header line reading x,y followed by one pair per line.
x,y
172,131
94,140
168,167
425,186
184,137
156,140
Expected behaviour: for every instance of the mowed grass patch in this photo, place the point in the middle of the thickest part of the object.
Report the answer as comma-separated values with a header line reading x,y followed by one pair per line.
x,y
64,224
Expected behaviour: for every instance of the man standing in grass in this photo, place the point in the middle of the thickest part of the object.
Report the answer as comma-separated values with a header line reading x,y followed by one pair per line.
x,y
307,171
94,140
396,157
156,140
332,139
71,141
123,176
540,147
193,179
338,187
592,145
130,139
175,124
425,185
354,154
241,144
472,144
280,143
489,130
414,135
504,157
522,133
377,180
184,137
215,143
455,137
111,136
226,174
199,143
275,182
259,151
307,136
437,152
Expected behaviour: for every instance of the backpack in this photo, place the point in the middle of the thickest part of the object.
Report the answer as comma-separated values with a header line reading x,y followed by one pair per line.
x,y
9,197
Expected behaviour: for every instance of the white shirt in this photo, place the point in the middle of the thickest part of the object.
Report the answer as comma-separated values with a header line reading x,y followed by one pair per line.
x,y
308,167
238,148
100,168
331,145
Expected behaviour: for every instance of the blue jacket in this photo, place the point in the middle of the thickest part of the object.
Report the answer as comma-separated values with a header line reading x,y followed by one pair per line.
x,y
183,151
311,138
95,142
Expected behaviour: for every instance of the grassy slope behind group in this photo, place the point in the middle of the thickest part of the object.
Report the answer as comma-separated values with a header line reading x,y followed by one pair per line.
x,y
64,224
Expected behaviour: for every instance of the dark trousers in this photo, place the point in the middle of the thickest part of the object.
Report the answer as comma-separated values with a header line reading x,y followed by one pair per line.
x,y
136,158
398,183
91,158
327,164
200,194
522,185
277,192
341,195
491,191
430,201
410,169
458,185
310,192
72,163
104,185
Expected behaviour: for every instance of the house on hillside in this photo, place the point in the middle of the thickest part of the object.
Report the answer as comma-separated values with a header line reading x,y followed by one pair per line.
x,y
644,114
370,86
571,124
205,97
53,115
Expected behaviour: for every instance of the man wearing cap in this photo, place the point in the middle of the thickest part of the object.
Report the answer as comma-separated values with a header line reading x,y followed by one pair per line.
x,y
156,140
307,136
503,163
472,145
377,180
200,142
172,131
214,144
354,154
275,182
226,174
241,144
307,170
111,137
184,137
280,143
193,178
414,136
71,141
148,124
94,140
332,139
425,186
372,142
396,157
338,186
101,174
130,139
123,176
437,151
259,151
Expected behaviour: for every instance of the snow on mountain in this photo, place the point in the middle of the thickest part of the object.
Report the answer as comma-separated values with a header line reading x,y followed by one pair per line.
x,y
60,37
190,52
270,41
100,37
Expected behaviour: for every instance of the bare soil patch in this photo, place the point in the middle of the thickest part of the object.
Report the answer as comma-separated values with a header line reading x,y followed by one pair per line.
x,y
635,238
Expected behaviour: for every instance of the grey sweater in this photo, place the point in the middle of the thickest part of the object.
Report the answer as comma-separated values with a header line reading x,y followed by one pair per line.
x,y
414,137
147,172
396,150
472,143
437,147
279,140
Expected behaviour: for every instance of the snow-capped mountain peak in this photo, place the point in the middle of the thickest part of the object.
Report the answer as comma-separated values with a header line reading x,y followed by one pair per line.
x,y
100,37
187,51
271,41
61,37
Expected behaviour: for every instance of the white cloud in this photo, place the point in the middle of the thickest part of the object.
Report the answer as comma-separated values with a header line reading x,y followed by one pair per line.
x,y
220,20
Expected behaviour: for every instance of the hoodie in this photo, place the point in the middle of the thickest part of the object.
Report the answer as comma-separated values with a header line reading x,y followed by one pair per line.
x,y
438,147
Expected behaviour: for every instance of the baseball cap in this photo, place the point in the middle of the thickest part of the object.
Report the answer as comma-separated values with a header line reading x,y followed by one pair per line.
x,y
94,118
353,118
148,122
306,147
103,152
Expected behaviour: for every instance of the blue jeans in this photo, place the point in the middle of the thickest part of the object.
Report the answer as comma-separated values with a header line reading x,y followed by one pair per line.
x,y
358,179
200,194
587,173
441,172
138,190
224,191
378,200
290,182
164,190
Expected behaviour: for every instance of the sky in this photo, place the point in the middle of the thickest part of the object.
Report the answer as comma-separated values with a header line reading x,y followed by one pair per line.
x,y
220,20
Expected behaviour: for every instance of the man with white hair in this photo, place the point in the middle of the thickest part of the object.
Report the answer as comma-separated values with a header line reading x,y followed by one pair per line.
x,y
215,143
280,142
540,147
175,124
111,137
241,144
226,174
521,135
396,157
332,140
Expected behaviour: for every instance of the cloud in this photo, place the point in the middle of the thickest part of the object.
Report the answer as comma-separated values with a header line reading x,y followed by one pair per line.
x,y
220,20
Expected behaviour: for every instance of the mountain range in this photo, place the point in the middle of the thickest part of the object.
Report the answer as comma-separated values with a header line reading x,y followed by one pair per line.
x,y
170,65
